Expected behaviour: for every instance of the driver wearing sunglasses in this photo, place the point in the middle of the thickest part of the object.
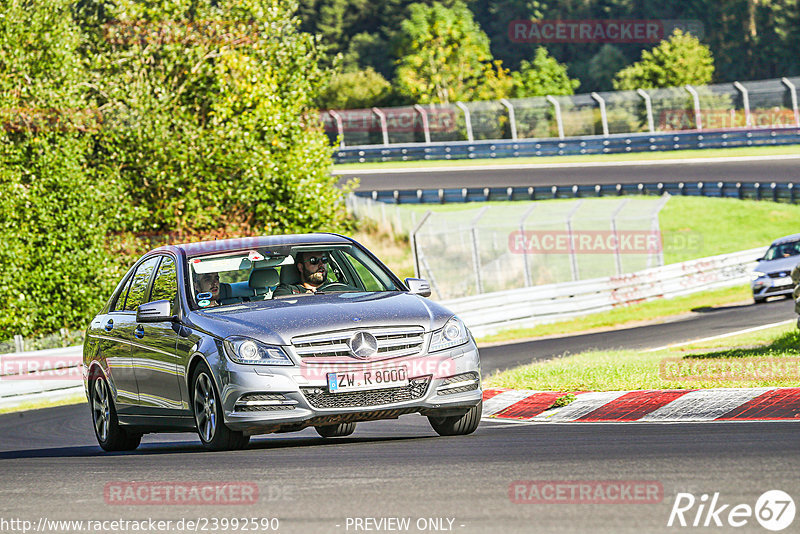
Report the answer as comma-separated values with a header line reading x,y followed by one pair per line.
x,y
313,273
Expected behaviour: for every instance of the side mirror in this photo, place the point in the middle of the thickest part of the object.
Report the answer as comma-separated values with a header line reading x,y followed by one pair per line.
x,y
760,259
418,286
155,312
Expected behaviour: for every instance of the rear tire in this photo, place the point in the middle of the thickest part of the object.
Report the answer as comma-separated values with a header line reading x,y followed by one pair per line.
x,y
458,425
110,435
208,417
336,431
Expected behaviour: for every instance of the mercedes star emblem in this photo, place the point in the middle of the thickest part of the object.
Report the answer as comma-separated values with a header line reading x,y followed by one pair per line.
x,y
363,345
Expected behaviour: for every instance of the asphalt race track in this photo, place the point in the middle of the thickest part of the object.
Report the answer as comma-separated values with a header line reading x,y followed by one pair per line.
x,y
51,466
765,170
703,323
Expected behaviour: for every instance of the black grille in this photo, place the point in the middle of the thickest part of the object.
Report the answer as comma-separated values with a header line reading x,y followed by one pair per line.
x,y
780,274
460,378
319,398
263,407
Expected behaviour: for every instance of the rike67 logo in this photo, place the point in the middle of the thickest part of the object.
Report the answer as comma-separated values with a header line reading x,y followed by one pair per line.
x,y
774,510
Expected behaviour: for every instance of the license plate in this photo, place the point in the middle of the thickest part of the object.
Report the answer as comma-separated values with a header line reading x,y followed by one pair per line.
x,y
781,282
367,379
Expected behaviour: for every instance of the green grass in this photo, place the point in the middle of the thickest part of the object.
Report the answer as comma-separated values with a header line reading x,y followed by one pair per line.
x,y
635,313
634,156
77,398
700,227
694,227
768,358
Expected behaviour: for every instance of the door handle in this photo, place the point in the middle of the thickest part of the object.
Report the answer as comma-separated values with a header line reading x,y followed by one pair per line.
x,y
109,325
139,332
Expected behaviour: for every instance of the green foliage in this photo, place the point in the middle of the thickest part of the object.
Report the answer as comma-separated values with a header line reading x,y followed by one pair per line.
x,y
148,116
603,65
52,219
542,76
678,61
445,57
354,90
214,118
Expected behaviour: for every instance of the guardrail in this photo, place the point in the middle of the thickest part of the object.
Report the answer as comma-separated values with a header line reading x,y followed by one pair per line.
x,y
594,144
520,308
55,373
42,374
774,191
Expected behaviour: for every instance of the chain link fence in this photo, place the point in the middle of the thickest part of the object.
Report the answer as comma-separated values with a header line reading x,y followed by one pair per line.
x,y
753,104
464,252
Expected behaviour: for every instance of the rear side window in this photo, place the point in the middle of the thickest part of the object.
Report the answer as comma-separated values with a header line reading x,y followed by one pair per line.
x,y
165,286
119,304
141,280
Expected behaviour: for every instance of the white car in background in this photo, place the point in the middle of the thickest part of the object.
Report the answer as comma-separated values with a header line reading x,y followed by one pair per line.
x,y
773,274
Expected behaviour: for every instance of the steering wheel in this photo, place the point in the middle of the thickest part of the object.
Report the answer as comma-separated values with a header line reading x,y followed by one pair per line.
x,y
328,285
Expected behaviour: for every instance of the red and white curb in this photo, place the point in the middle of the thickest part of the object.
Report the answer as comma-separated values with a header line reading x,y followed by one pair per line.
x,y
746,404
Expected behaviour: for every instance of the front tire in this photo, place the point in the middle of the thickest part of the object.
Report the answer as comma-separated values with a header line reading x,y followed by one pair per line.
x,y
336,431
458,425
110,435
207,411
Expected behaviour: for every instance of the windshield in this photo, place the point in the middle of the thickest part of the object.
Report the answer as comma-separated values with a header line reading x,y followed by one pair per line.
x,y
261,274
784,250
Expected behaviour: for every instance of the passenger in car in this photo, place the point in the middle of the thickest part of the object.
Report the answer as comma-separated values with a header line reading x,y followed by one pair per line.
x,y
208,283
312,271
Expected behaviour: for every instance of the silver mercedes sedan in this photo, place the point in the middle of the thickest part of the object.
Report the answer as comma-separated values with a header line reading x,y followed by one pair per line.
x,y
251,336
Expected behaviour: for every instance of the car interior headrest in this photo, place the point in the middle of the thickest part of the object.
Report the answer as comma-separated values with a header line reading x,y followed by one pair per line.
x,y
261,278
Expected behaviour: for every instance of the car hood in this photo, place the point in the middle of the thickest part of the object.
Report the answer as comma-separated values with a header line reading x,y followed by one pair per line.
x,y
277,321
780,264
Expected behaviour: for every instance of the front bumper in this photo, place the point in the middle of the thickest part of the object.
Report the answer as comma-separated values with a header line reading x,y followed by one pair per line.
x,y
277,399
771,287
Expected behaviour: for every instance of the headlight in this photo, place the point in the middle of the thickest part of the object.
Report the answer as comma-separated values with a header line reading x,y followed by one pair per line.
x,y
453,334
755,275
250,351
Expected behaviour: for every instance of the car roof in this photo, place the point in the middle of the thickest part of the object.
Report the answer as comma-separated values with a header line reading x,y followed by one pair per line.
x,y
787,239
225,245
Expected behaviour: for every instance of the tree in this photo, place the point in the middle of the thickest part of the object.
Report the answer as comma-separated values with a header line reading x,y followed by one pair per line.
x,y
445,57
542,76
354,90
675,62
56,209
602,67
214,118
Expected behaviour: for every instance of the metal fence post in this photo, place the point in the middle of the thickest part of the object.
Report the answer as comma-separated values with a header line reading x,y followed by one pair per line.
x,y
617,251
19,343
512,119
384,128
467,119
415,230
656,227
793,94
572,254
748,121
698,119
603,115
557,109
526,267
648,105
426,127
339,126
476,258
